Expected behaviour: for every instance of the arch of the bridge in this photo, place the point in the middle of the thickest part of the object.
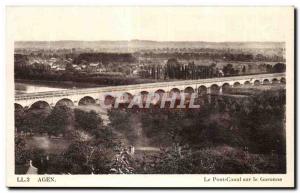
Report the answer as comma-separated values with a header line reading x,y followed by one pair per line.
x,y
225,87
144,92
236,84
189,90
18,107
266,81
64,102
214,89
202,90
109,99
160,91
247,82
144,95
125,97
87,100
257,82
40,104
174,91
275,81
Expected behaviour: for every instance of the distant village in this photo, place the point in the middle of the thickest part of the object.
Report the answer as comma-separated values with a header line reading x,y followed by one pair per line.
x,y
145,65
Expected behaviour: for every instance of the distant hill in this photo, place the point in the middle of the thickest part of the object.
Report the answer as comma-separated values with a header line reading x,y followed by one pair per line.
x,y
144,44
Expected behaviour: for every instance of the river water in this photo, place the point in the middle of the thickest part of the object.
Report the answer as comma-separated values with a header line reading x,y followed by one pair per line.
x,y
24,86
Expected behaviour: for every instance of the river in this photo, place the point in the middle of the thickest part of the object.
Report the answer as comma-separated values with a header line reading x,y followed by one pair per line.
x,y
28,86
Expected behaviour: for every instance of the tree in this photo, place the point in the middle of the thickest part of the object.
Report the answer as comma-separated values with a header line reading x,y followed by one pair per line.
x,y
126,124
228,70
172,68
58,120
69,67
21,156
77,156
19,117
107,138
77,152
244,69
102,160
34,121
87,121
279,67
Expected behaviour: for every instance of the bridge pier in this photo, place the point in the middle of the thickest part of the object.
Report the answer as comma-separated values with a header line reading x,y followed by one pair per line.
x,y
209,95
220,90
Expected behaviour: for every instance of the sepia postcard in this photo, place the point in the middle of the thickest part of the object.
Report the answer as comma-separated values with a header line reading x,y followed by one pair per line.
x,y
157,97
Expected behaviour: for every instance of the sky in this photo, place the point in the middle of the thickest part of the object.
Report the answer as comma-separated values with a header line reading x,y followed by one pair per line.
x,y
212,24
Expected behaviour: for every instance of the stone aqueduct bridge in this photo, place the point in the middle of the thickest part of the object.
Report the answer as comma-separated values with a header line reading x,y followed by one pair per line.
x,y
207,85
